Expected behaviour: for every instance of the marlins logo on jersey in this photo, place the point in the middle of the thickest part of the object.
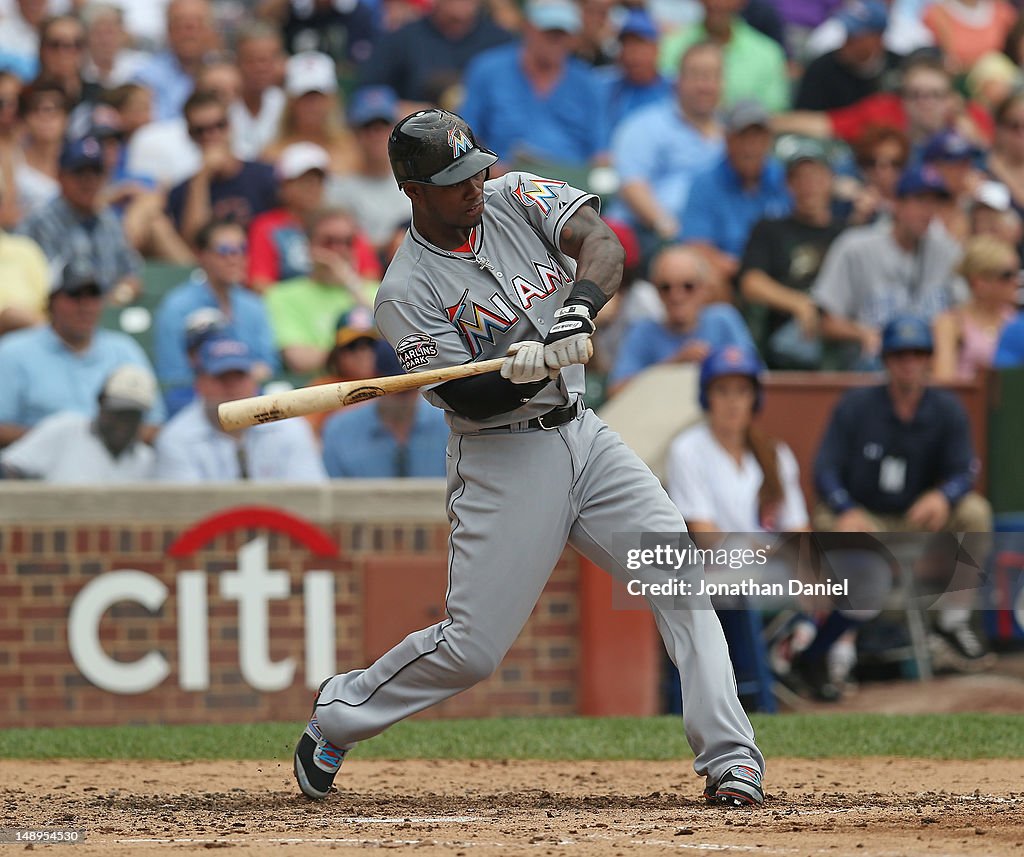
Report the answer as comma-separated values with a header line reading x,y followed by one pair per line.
x,y
538,192
478,324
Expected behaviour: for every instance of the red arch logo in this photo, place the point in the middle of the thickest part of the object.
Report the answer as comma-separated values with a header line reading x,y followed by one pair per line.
x,y
199,535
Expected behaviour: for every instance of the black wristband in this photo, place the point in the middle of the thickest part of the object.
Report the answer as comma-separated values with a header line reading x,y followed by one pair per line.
x,y
589,293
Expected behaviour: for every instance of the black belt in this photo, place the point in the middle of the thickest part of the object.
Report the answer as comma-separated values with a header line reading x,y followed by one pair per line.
x,y
551,420
557,417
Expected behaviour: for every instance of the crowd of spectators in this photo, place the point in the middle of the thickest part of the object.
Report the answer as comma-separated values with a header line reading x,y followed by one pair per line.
x,y
786,177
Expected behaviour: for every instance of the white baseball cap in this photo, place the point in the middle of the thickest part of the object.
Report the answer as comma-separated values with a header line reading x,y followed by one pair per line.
x,y
310,71
994,195
299,158
129,388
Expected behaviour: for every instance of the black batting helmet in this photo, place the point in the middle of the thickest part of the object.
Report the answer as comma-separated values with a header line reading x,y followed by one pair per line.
x,y
436,147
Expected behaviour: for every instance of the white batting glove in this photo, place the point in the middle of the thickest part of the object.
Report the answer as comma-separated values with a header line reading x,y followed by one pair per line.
x,y
568,341
525,363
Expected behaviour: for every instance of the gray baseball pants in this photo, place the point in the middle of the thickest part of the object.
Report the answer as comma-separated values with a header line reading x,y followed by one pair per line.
x,y
514,500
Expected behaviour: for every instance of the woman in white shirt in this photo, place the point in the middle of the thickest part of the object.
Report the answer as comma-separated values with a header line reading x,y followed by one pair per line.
x,y
726,476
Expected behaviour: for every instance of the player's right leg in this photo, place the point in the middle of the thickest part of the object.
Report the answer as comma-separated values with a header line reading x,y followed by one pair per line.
x,y
509,524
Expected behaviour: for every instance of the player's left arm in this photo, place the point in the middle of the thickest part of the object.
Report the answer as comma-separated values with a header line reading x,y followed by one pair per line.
x,y
599,257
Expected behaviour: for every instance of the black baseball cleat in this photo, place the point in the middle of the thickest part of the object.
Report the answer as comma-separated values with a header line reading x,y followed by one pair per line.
x,y
741,786
960,650
317,760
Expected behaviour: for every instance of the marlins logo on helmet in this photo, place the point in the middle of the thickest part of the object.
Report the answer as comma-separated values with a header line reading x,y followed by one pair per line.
x,y
459,142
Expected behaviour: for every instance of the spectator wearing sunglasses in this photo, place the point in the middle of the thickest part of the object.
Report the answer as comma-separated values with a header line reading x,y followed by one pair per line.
x,y
77,228
692,326
966,335
224,187
63,365
303,310
62,59
218,283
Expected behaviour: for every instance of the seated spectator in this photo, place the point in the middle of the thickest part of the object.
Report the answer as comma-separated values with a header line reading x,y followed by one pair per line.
x,y
966,336
992,80
193,447
953,156
897,457
43,110
861,67
881,155
357,343
692,327
303,310
426,57
1006,159
782,259
370,191
256,115
661,149
219,283
965,30
24,280
171,74
746,185
1010,349
991,213
532,100
109,62
754,65
595,44
346,31
728,478
76,228
63,365
135,200
19,36
387,438
70,448
311,112
904,33
278,249
62,59
634,82
225,187
874,273
925,104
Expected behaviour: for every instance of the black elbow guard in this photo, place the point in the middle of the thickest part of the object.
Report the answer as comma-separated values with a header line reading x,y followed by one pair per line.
x,y
481,397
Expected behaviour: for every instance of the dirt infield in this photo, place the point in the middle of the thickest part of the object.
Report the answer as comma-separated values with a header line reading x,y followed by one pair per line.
x,y
838,807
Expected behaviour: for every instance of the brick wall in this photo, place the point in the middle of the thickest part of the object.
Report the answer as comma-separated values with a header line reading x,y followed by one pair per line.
x,y
389,579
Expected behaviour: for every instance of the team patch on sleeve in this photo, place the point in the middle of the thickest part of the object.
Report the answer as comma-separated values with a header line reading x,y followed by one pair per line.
x,y
538,192
416,350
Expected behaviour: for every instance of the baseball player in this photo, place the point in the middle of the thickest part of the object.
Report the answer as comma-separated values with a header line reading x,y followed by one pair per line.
x,y
518,266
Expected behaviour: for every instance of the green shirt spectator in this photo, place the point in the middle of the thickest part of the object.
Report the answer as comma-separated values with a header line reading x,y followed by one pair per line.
x,y
755,65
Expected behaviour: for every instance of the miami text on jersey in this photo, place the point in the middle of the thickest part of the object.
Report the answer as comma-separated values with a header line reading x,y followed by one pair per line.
x,y
478,324
551,277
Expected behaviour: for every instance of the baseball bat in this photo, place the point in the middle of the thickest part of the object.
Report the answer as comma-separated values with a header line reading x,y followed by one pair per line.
x,y
243,413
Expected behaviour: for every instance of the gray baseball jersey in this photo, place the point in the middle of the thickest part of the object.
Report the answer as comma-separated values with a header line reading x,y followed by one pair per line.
x,y
516,496
441,308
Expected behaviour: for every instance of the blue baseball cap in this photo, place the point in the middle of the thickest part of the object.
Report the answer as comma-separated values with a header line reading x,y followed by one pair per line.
x,y
373,103
220,355
81,153
917,181
731,360
638,22
907,333
949,145
863,16
554,15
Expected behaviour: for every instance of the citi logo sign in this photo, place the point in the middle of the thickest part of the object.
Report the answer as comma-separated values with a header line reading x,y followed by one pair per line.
x,y
253,584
